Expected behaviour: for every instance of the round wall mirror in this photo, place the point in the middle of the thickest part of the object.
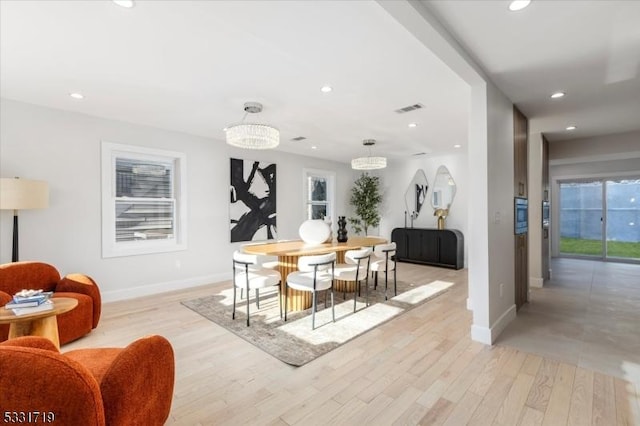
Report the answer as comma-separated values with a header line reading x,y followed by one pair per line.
x,y
444,189
416,194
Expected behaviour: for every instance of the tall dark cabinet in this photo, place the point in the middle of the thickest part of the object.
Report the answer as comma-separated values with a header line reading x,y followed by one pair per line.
x,y
520,174
436,247
546,198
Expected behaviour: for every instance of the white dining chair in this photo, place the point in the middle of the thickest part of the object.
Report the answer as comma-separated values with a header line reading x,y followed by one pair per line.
x,y
314,274
247,274
385,261
355,269
261,261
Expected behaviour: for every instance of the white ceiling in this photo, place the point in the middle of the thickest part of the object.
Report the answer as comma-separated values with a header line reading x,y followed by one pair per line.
x,y
589,49
190,65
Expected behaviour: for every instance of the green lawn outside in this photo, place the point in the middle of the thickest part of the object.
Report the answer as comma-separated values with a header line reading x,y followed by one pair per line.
x,y
594,248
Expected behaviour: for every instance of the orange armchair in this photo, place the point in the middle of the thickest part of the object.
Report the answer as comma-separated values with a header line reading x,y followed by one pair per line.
x,y
107,386
37,275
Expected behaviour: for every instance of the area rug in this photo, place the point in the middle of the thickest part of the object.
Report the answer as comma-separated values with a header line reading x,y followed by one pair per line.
x,y
294,342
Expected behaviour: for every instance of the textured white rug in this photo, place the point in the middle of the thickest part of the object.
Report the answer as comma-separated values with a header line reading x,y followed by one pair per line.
x,y
294,342
347,326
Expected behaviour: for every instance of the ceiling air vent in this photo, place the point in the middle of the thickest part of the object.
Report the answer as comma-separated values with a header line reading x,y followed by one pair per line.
x,y
418,154
409,108
298,139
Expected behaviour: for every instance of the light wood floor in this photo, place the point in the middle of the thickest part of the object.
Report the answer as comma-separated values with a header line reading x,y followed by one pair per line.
x,y
587,315
420,368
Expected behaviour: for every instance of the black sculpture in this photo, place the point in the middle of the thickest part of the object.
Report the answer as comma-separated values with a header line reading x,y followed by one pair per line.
x,y
342,229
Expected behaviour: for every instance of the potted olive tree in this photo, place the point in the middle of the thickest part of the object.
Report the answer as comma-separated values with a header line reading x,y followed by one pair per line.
x,y
366,198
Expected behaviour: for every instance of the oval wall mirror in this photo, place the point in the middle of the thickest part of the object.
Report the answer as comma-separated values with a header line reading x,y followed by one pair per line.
x,y
444,189
416,194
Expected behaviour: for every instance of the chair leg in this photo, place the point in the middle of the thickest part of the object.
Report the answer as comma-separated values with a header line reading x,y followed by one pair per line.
x,y
247,303
395,281
280,299
333,311
257,298
286,290
366,291
356,291
233,315
386,281
375,280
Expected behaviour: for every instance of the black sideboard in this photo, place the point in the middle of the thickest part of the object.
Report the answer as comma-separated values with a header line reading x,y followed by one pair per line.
x,y
437,247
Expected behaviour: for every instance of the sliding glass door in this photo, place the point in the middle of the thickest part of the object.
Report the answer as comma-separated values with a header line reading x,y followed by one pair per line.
x,y
623,218
581,219
600,219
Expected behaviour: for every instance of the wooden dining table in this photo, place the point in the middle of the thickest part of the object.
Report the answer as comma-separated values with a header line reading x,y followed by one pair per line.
x,y
289,252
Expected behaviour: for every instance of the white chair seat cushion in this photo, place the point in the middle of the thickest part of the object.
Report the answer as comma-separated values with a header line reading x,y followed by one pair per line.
x,y
258,278
271,264
303,281
347,272
381,265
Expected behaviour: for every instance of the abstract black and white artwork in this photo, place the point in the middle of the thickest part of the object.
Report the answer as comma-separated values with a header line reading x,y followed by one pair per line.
x,y
421,195
253,200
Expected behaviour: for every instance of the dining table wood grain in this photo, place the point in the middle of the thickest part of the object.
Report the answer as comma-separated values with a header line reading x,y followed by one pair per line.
x,y
289,251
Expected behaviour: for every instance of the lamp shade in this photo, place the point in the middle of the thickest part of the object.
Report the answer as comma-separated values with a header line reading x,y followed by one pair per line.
x,y
22,194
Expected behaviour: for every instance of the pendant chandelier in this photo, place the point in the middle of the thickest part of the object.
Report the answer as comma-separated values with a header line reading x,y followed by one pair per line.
x,y
369,163
252,135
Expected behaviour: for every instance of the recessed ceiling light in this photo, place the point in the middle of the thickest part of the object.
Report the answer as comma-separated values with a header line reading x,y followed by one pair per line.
x,y
326,89
76,95
412,125
124,3
571,127
518,5
457,146
314,147
557,95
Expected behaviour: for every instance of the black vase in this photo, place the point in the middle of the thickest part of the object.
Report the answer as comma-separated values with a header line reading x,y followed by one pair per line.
x,y
342,229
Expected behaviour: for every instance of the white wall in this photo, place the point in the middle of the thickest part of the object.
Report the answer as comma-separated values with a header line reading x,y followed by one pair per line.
x,y
595,149
63,148
500,199
397,178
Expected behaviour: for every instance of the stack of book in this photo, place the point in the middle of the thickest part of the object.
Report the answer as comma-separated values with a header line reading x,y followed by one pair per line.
x,y
30,301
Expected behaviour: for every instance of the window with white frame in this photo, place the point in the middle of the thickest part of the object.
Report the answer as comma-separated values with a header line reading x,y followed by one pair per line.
x,y
319,193
143,200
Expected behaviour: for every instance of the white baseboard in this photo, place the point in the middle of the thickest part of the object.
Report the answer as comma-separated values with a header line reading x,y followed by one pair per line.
x,y
481,334
469,304
146,290
536,282
489,335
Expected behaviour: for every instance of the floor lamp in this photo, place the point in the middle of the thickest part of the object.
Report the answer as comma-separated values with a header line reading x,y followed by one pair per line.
x,y
22,194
